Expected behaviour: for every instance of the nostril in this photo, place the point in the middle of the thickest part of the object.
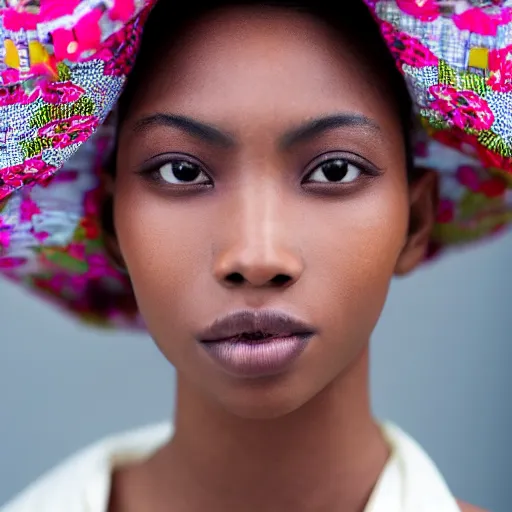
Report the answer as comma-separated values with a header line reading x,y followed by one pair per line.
x,y
277,280
235,278
281,279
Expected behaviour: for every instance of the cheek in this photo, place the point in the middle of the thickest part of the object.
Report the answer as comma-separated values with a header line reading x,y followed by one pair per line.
x,y
165,248
353,249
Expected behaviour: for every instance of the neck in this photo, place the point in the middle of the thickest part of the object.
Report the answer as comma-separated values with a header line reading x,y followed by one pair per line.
x,y
327,455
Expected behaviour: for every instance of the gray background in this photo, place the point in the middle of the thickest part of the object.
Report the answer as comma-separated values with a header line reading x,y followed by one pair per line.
x,y
441,355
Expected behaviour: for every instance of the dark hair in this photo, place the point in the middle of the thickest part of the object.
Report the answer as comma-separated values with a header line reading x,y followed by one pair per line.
x,y
350,18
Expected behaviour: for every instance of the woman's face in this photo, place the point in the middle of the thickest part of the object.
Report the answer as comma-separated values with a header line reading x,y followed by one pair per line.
x,y
261,167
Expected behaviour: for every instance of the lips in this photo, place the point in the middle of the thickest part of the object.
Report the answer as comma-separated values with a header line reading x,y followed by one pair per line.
x,y
255,326
256,344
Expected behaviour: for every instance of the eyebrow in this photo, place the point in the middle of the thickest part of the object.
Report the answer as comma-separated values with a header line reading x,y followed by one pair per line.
x,y
216,136
191,126
320,125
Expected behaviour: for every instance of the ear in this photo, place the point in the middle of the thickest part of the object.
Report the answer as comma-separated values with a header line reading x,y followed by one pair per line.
x,y
424,200
108,226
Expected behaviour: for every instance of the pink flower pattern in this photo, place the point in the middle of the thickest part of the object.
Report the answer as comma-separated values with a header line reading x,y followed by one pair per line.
x,y
407,49
5,234
65,132
16,95
57,93
478,21
463,109
33,170
424,10
121,49
500,69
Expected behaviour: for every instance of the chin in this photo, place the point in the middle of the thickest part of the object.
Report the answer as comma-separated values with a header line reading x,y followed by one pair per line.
x,y
263,409
265,399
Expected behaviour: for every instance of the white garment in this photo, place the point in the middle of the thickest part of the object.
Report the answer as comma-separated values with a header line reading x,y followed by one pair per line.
x,y
409,483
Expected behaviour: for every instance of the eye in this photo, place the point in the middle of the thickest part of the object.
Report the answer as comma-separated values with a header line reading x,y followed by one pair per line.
x,y
181,172
336,170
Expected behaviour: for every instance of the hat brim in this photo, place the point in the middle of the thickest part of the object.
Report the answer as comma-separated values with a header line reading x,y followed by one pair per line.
x,y
58,86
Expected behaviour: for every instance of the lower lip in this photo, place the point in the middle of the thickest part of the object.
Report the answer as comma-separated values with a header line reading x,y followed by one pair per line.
x,y
262,358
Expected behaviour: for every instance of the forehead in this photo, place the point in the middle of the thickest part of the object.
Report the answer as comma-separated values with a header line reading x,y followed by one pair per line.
x,y
266,62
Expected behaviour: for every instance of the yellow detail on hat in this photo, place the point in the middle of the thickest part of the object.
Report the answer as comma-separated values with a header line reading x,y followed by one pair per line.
x,y
479,58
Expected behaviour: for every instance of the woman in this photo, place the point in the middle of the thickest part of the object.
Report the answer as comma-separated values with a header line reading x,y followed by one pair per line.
x,y
262,196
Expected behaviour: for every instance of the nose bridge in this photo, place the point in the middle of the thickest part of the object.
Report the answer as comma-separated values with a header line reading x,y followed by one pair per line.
x,y
259,246
261,218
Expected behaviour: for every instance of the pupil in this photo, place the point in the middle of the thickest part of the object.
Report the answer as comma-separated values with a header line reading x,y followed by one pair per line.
x,y
335,170
185,171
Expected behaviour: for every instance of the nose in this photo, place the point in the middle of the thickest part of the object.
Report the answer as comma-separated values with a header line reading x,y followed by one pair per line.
x,y
258,248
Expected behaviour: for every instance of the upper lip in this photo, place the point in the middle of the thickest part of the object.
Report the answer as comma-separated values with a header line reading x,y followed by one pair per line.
x,y
268,322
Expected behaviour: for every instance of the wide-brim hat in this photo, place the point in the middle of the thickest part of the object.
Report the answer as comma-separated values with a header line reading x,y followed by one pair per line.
x,y
63,65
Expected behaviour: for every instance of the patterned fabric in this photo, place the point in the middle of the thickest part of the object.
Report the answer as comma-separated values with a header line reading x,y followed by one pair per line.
x,y
63,65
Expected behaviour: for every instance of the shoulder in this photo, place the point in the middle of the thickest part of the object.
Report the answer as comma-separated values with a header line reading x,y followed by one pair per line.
x,y
82,482
466,507
63,487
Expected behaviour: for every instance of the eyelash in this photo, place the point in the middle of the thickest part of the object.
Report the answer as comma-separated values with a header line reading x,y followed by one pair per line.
x,y
153,173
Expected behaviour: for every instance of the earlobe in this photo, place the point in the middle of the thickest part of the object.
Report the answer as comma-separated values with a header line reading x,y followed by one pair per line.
x,y
424,200
114,253
109,233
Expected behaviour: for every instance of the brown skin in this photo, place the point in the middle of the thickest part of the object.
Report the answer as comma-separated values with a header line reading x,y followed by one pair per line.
x,y
307,436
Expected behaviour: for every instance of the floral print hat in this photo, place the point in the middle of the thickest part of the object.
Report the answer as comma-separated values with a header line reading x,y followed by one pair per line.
x,y
63,64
